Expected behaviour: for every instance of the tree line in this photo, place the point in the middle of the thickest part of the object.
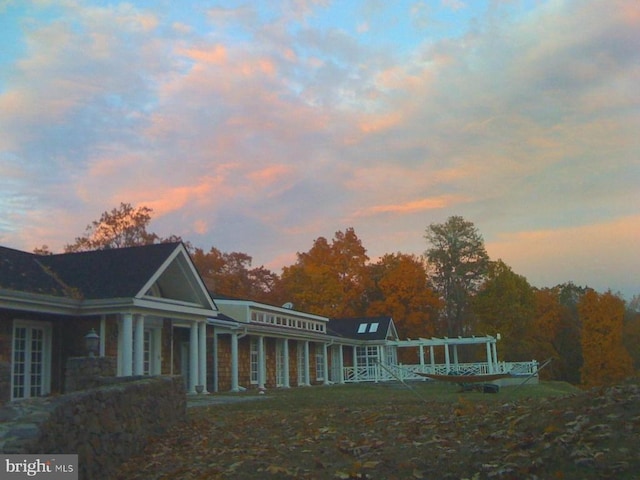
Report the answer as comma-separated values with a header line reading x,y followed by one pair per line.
x,y
453,289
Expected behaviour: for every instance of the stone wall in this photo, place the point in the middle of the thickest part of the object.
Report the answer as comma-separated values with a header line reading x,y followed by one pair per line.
x,y
83,373
104,426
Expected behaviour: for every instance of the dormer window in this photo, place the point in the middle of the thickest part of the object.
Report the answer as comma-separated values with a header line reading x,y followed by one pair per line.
x,y
362,328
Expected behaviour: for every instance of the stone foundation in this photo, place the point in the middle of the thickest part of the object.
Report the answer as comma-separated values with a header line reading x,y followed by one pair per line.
x,y
83,373
104,426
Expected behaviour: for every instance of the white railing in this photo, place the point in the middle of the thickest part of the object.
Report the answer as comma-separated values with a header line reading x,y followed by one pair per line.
x,y
384,373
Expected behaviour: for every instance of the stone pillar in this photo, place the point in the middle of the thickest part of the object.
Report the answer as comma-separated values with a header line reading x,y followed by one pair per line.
x,y
202,355
193,358
234,362
126,369
285,354
138,346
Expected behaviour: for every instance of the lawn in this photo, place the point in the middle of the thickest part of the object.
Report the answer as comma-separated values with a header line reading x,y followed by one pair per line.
x,y
391,431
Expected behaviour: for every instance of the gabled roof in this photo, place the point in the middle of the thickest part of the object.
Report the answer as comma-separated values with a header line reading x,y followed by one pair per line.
x,y
160,270
363,328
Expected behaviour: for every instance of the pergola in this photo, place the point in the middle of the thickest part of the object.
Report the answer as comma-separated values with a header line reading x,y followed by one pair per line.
x,y
450,346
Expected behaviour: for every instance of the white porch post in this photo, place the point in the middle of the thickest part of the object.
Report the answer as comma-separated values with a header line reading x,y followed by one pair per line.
x,y
489,360
446,357
325,363
202,355
156,353
103,333
307,375
138,345
455,355
214,353
193,357
341,364
285,355
355,364
421,358
261,362
234,362
495,354
127,345
432,359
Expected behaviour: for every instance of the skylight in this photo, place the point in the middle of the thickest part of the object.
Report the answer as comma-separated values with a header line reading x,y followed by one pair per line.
x,y
362,328
373,328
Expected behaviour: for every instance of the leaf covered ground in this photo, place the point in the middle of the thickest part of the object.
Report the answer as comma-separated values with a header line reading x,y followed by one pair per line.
x,y
394,432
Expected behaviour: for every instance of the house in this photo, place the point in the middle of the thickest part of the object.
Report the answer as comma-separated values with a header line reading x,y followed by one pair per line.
x,y
148,305
268,346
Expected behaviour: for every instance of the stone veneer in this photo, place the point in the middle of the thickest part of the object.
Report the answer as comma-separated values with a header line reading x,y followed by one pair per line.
x,y
104,425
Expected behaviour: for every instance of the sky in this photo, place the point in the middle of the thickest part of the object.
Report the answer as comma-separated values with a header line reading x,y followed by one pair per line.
x,y
260,126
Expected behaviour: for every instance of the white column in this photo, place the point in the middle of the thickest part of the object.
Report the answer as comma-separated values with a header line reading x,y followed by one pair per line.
x,y
138,345
202,355
234,362
261,362
307,376
495,354
285,354
432,359
156,363
489,359
446,357
325,362
341,364
421,358
127,345
193,358
355,365
103,334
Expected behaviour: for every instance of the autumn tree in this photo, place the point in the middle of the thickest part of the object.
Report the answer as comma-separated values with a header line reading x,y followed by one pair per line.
x,y
631,330
125,226
606,360
458,263
331,278
543,336
230,274
505,304
399,288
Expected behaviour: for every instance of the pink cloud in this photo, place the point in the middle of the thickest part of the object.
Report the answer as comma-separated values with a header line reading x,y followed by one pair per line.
x,y
413,206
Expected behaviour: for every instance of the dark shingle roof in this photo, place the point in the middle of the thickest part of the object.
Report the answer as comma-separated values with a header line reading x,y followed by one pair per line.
x,y
348,327
115,273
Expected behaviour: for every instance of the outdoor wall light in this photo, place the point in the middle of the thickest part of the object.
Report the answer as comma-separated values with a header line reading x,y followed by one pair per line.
x,y
92,342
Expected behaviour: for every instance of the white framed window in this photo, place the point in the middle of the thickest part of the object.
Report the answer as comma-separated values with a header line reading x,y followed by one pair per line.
x,y
30,359
319,362
373,328
301,369
253,355
362,328
280,363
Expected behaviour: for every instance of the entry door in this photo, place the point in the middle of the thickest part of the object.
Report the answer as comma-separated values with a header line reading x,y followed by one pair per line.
x,y
31,365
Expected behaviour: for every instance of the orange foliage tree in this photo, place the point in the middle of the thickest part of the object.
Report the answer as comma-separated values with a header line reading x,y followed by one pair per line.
x,y
400,290
605,359
330,279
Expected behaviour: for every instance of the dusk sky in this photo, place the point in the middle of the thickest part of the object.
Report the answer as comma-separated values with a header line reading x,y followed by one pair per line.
x,y
260,126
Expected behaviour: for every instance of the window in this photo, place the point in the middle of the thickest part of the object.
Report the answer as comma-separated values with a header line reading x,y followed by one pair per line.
x,y
319,362
253,347
362,328
373,328
280,363
30,360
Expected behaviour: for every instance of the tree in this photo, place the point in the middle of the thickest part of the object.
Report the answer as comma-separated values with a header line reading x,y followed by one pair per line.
x,y
125,226
399,288
331,278
606,360
505,304
631,330
230,274
458,262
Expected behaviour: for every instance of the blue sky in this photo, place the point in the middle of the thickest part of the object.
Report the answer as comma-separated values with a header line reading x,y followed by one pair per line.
x,y
260,126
